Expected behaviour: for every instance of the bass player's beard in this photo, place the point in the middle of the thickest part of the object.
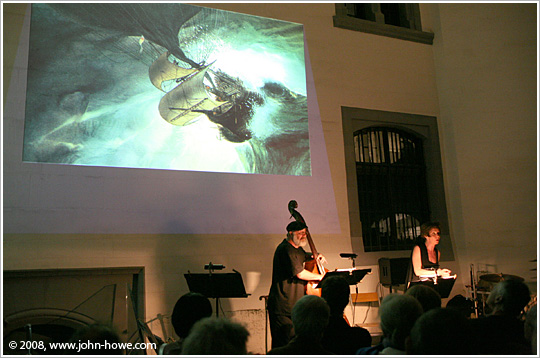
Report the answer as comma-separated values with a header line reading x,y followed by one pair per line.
x,y
299,242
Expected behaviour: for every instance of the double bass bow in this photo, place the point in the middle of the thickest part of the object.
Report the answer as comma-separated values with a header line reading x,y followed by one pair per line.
x,y
315,265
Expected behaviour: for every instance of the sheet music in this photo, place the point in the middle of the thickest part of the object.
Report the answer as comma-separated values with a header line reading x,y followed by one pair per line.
x,y
352,275
427,277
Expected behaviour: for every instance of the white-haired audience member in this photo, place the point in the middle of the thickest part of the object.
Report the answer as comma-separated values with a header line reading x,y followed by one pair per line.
x,y
397,314
310,316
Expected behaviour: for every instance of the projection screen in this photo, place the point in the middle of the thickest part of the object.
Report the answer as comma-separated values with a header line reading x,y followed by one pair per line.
x,y
166,86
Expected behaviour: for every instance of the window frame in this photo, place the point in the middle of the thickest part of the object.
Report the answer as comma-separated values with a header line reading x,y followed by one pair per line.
x,y
378,27
426,127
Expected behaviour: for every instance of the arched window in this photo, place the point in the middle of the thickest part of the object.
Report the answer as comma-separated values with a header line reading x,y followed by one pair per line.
x,y
392,189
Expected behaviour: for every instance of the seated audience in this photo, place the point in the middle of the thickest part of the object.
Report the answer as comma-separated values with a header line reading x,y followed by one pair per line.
x,y
502,330
440,331
339,337
96,339
216,336
310,316
397,313
189,309
427,296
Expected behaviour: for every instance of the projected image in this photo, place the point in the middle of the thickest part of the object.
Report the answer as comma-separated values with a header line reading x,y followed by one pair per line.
x,y
166,86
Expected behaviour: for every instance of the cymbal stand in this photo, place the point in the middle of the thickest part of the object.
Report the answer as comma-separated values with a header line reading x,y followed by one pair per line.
x,y
474,293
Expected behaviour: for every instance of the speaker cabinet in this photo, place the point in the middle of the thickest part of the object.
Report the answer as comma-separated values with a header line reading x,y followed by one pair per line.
x,y
393,272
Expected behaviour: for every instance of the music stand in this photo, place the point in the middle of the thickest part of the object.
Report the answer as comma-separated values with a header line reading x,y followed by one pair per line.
x,y
352,276
443,285
217,285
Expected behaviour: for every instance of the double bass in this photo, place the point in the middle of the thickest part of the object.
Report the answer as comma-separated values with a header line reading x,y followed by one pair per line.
x,y
314,265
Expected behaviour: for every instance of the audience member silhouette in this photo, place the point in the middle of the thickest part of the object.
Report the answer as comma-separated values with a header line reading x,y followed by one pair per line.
x,y
509,297
310,316
461,304
216,336
95,339
339,337
189,309
398,313
427,296
502,330
440,331
531,329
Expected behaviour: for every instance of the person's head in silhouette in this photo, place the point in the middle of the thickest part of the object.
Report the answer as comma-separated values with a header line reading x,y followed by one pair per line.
x,y
189,309
509,298
440,331
427,296
216,336
310,317
336,291
398,313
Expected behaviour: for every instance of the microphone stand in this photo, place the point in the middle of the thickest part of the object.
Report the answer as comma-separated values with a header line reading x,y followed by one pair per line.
x,y
28,329
351,257
211,267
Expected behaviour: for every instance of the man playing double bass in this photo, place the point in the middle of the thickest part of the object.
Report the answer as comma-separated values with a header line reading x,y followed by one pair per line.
x,y
289,278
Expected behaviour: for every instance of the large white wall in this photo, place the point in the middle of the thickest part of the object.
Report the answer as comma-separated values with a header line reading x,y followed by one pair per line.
x,y
486,65
478,79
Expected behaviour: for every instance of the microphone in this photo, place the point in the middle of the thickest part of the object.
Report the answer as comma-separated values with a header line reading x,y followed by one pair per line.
x,y
211,266
347,255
